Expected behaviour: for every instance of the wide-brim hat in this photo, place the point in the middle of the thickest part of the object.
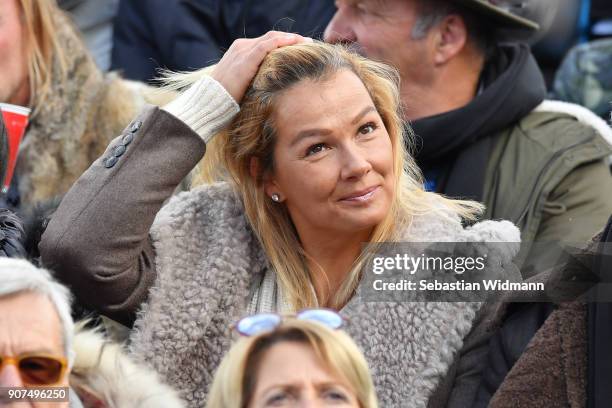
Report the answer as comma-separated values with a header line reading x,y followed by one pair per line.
x,y
500,14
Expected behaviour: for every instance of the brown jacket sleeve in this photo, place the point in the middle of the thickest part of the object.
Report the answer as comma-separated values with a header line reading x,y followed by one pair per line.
x,y
98,239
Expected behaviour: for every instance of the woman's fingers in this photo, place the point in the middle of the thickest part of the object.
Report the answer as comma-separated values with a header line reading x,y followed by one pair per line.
x,y
274,42
240,63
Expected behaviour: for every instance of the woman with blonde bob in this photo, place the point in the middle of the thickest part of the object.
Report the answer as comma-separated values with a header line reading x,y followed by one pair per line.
x,y
307,141
325,368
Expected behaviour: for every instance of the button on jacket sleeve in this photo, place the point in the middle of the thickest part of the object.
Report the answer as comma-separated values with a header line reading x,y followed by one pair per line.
x,y
98,239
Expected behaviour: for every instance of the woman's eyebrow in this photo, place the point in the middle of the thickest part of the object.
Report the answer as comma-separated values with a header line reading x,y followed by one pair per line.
x,y
331,384
361,114
304,134
290,388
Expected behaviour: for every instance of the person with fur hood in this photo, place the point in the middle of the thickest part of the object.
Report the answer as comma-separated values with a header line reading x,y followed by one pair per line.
x,y
314,166
76,109
35,316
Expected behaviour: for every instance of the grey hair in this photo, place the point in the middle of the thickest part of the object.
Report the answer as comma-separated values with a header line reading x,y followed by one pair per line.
x,y
18,276
428,16
431,12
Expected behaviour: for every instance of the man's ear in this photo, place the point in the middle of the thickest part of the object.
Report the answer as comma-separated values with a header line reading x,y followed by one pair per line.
x,y
451,37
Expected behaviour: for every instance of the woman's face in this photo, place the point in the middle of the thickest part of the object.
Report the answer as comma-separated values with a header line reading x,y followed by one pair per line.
x,y
333,157
291,375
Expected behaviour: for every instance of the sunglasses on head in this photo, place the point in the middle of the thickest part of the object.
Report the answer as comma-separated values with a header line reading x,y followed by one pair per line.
x,y
267,322
37,369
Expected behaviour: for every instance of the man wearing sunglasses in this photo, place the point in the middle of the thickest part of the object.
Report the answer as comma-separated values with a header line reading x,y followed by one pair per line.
x,y
42,353
36,335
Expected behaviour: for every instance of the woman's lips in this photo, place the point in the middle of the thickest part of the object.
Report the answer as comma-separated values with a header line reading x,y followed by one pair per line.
x,y
361,196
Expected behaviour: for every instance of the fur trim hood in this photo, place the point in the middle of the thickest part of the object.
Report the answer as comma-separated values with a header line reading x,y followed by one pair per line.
x,y
582,115
208,262
103,376
77,121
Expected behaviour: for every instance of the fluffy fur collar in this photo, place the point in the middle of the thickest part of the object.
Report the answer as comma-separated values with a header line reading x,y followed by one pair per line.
x,y
104,376
582,115
78,120
207,260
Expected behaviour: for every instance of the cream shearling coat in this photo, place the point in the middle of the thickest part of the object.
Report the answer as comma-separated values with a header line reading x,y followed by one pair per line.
x,y
191,267
208,260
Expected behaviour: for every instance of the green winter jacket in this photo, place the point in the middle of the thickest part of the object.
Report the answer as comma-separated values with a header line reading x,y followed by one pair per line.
x,y
549,175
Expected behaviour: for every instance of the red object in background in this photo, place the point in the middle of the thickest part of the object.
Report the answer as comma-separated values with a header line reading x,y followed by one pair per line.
x,y
15,120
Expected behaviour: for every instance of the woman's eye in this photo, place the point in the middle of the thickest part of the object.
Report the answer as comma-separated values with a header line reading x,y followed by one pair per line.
x,y
277,400
368,128
335,395
314,149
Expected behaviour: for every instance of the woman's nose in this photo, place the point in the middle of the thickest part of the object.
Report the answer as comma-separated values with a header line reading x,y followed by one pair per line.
x,y
311,400
355,163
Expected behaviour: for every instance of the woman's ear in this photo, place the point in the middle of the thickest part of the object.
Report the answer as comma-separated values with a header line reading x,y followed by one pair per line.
x,y
271,189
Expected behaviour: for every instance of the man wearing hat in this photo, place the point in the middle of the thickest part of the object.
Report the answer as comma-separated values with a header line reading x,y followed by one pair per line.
x,y
474,96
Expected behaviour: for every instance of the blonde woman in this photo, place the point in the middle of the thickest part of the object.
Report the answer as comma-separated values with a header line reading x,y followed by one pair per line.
x,y
291,362
315,166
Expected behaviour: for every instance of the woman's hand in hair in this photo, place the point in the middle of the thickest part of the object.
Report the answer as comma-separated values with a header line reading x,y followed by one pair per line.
x,y
241,62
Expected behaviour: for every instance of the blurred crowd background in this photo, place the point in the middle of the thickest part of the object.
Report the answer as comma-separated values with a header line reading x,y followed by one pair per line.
x,y
140,37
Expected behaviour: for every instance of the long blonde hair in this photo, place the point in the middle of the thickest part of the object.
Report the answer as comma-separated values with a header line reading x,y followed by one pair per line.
x,y
44,51
252,135
236,377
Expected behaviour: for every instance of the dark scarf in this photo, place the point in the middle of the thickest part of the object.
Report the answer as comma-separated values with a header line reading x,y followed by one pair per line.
x,y
456,145
12,235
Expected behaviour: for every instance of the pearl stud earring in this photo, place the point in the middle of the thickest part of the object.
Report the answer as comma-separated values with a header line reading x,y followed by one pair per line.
x,y
275,198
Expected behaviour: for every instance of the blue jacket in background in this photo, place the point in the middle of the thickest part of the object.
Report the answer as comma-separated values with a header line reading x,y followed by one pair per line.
x,y
189,34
